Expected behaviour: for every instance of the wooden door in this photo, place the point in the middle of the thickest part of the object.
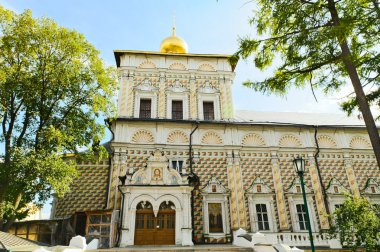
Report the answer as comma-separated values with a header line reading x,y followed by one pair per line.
x,y
165,227
144,227
151,230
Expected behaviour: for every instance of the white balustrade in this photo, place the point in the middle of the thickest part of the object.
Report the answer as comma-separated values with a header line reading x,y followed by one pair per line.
x,y
297,239
302,239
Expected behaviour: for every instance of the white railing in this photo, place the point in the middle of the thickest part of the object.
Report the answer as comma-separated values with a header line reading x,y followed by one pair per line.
x,y
297,239
302,239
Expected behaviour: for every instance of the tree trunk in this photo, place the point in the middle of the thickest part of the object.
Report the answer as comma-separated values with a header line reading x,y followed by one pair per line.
x,y
1,210
354,76
12,219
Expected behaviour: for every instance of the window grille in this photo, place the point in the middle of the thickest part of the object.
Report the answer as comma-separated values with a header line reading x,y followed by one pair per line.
x,y
262,217
177,165
145,108
177,110
208,111
301,213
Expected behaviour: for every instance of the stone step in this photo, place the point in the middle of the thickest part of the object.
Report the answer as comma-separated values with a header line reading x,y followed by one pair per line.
x,y
196,248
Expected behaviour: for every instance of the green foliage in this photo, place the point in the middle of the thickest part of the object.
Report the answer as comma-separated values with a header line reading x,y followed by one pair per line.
x,y
301,38
54,87
357,224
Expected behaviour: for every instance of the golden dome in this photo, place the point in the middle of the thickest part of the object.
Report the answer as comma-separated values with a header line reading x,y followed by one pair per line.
x,y
173,44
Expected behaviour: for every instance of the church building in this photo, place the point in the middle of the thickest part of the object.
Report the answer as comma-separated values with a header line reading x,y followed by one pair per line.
x,y
185,168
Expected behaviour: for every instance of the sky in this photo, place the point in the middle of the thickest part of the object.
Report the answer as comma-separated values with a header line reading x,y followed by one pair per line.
x,y
208,27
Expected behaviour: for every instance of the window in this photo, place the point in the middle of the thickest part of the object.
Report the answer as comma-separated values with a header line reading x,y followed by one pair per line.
x,y
298,189
145,108
262,217
215,210
177,165
215,217
336,189
373,190
301,213
208,111
338,205
99,226
258,188
177,110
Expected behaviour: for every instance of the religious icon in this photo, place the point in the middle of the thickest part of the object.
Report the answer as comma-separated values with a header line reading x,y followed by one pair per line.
x,y
156,174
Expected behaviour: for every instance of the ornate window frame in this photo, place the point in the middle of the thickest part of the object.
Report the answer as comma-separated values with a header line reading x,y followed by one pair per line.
x,y
335,193
215,192
260,193
372,191
204,97
294,194
172,96
145,95
183,160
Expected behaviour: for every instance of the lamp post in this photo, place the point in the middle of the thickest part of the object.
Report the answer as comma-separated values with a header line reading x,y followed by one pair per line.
x,y
299,165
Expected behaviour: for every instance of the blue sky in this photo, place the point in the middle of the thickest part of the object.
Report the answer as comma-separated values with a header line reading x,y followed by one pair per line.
x,y
208,26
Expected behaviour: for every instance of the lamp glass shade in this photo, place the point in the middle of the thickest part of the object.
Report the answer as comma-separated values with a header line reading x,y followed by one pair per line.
x,y
299,164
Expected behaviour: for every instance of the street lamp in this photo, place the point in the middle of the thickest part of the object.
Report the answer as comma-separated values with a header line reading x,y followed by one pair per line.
x,y
299,166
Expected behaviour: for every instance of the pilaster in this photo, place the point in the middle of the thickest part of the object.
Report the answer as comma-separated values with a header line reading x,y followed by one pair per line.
x,y
240,192
222,87
228,105
280,198
129,94
232,186
122,97
350,174
193,98
114,181
161,96
321,208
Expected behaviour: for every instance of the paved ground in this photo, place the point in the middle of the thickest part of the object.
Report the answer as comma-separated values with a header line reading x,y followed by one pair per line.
x,y
201,248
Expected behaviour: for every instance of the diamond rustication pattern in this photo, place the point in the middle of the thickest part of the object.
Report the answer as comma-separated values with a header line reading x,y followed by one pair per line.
x,y
288,173
365,169
333,168
255,165
87,192
210,164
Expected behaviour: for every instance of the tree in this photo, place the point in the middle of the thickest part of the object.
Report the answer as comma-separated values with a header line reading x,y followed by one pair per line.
x,y
357,224
321,43
53,89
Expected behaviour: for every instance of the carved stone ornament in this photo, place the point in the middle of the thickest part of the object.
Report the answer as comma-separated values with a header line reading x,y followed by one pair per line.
x,y
178,87
371,187
336,187
207,88
296,188
258,186
145,85
214,186
157,172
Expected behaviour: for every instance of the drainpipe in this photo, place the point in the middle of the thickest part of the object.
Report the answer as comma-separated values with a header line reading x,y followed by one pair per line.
x,y
108,124
319,173
193,179
122,179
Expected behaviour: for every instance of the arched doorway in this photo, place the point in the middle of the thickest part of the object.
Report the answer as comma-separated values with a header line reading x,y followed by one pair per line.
x,y
152,230
166,224
144,228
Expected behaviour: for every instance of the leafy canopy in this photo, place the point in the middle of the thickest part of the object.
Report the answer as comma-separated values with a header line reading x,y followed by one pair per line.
x,y
357,224
54,87
300,37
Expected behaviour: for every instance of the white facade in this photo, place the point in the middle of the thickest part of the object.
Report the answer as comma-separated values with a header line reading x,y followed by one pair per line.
x,y
247,156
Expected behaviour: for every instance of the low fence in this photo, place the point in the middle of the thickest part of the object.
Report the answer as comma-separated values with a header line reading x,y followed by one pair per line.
x,y
101,225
